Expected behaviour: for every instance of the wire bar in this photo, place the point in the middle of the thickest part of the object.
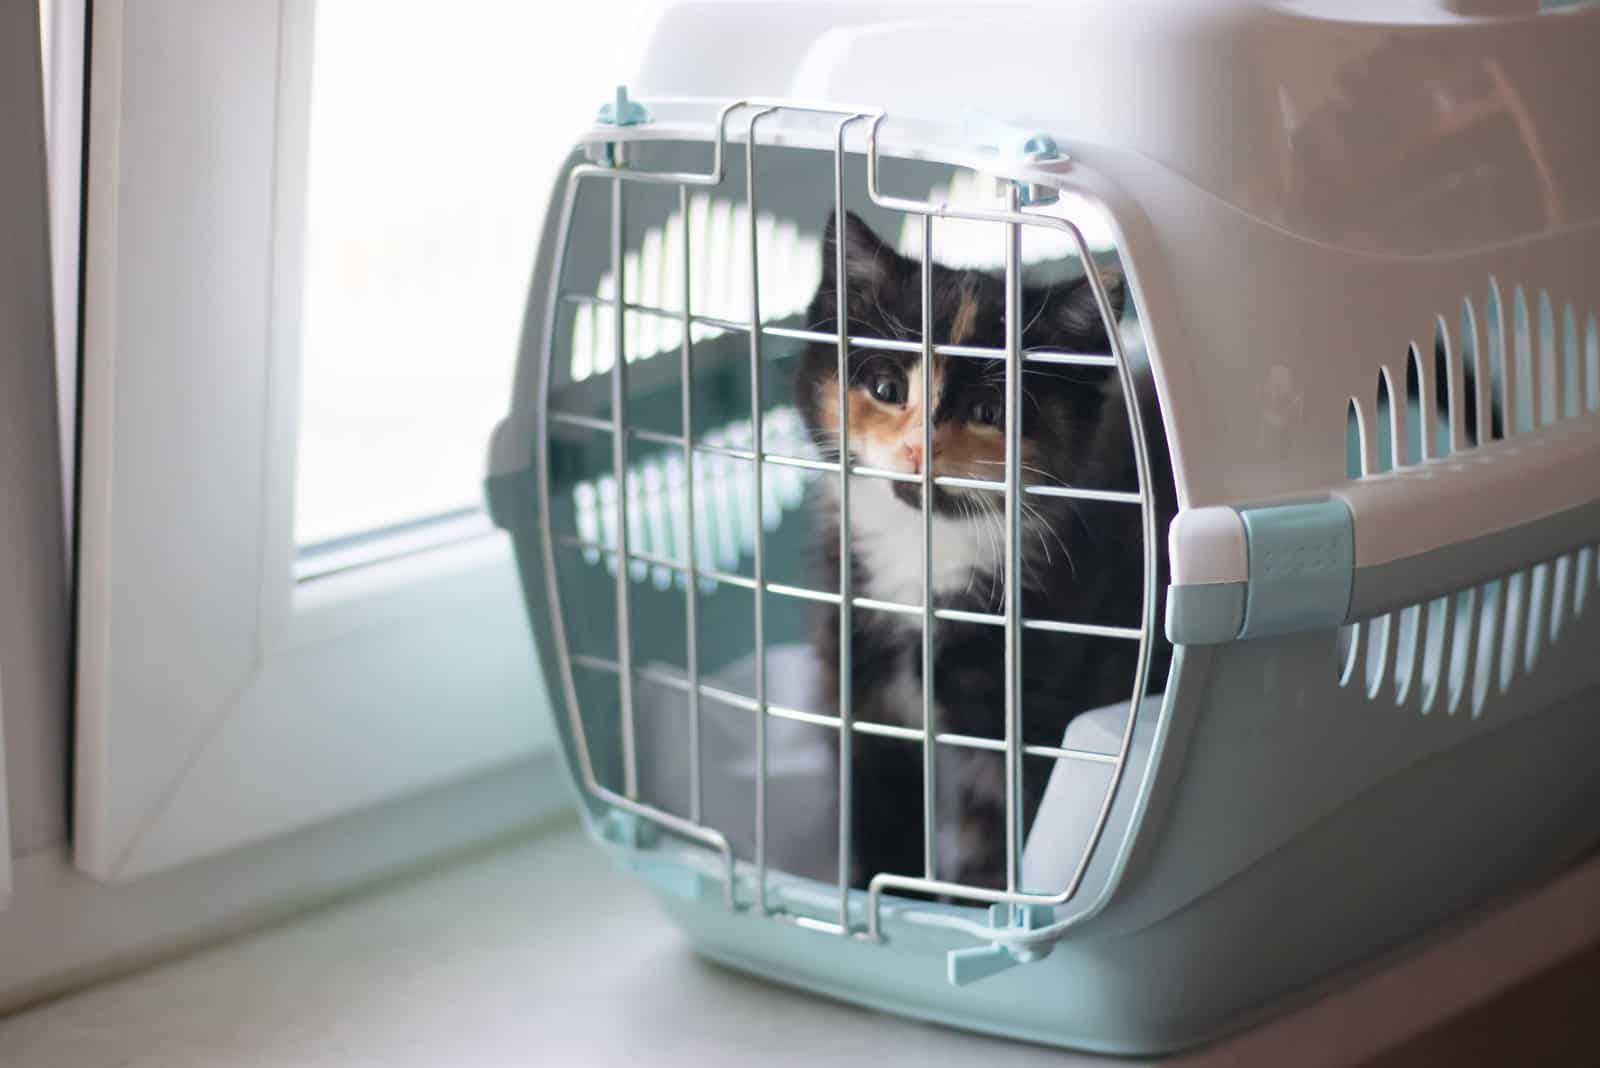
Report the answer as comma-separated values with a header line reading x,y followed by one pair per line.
x,y
619,465
970,352
757,403
950,615
930,794
841,318
690,591
656,437
1013,548
819,719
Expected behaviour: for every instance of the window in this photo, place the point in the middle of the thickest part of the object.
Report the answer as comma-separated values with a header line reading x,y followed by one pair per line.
x,y
430,144
310,229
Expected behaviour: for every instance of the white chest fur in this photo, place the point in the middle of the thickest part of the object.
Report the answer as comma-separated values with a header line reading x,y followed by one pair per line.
x,y
887,536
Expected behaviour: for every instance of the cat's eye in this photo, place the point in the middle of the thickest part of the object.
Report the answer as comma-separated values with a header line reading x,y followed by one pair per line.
x,y
988,412
887,388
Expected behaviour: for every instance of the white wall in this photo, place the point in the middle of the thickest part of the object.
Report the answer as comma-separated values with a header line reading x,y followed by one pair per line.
x,y
33,599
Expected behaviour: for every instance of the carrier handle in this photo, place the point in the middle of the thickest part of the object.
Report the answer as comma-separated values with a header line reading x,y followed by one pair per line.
x,y
1386,541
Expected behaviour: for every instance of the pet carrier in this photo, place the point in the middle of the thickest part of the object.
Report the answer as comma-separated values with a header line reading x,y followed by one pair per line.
x,y
1358,369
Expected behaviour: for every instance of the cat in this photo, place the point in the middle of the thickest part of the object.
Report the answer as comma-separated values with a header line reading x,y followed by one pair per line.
x,y
1080,562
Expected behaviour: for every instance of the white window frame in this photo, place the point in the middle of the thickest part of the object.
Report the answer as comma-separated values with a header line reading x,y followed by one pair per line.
x,y
220,702
24,338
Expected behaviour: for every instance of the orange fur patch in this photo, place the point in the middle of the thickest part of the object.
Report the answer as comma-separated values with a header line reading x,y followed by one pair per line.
x,y
966,319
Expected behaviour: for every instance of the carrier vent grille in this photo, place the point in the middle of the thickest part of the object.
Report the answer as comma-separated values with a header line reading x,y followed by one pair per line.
x,y
1499,377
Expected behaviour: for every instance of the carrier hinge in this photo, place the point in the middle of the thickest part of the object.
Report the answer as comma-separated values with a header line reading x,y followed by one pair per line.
x,y
965,966
992,135
620,110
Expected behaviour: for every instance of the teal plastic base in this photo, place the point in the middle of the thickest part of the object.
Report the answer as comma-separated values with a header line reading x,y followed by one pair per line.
x,y
1381,875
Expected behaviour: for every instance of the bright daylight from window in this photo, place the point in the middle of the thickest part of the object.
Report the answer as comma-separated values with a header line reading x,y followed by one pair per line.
x,y
436,132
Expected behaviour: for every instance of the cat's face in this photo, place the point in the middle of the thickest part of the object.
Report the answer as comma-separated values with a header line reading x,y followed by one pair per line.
x,y
1061,405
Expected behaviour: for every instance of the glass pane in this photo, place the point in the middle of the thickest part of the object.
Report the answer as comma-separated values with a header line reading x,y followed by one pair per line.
x,y
435,133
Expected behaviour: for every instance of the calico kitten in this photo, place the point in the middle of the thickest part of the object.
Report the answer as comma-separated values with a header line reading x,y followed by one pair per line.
x,y
1081,563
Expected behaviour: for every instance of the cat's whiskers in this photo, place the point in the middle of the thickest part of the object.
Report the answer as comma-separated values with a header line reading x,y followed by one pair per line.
x,y
849,320
1043,304
967,514
1041,472
1043,525
992,524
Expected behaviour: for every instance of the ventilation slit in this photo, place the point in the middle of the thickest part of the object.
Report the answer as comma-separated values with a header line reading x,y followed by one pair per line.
x,y
1418,444
1476,383
1489,611
1558,596
1580,597
1462,646
1355,450
1510,639
1390,430
1434,649
1525,371
1547,371
1538,589
1500,386
1572,362
1591,352
1447,389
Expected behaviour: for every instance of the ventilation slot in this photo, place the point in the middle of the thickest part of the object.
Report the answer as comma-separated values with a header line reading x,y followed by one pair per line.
x,y
1355,449
1508,375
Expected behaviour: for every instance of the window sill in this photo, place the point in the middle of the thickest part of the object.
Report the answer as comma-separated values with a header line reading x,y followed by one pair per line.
x,y
544,953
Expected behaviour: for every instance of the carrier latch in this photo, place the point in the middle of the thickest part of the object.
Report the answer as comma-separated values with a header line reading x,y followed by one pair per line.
x,y
1254,572
965,966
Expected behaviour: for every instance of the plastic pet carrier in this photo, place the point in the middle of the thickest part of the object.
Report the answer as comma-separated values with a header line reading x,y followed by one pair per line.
x,y
1345,263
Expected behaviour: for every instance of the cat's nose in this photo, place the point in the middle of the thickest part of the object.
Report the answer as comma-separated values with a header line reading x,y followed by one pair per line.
x,y
913,455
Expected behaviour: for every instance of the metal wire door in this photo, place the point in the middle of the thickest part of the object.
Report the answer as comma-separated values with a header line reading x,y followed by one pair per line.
x,y
745,880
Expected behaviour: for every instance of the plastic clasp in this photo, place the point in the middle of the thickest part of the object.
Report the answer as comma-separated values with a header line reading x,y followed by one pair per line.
x,y
966,966
622,110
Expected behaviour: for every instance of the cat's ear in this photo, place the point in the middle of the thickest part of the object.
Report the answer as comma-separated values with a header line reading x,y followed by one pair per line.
x,y
1078,313
870,263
